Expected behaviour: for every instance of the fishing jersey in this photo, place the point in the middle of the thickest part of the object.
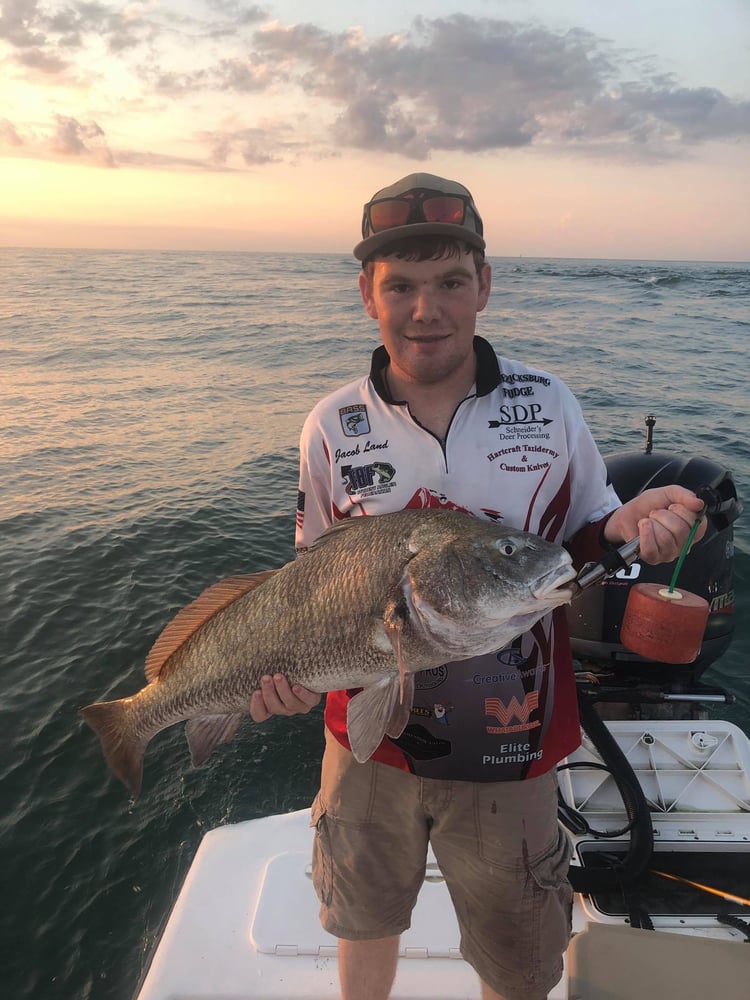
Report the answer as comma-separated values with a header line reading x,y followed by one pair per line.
x,y
517,452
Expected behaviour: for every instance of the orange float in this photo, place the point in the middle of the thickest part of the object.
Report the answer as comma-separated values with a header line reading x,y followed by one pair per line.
x,y
664,624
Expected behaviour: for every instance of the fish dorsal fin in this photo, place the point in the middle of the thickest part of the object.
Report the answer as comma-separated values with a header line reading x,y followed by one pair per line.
x,y
195,615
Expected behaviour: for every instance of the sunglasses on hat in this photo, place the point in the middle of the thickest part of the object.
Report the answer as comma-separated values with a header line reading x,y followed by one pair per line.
x,y
419,205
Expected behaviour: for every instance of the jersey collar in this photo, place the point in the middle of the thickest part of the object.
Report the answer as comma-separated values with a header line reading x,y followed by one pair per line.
x,y
488,370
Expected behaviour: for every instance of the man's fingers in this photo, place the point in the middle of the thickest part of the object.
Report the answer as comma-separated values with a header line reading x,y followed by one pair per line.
x,y
664,533
258,710
305,698
277,697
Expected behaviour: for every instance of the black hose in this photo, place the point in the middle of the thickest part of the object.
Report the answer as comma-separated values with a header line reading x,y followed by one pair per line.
x,y
641,843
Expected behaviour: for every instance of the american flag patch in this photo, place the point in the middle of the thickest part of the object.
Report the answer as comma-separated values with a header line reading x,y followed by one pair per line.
x,y
300,515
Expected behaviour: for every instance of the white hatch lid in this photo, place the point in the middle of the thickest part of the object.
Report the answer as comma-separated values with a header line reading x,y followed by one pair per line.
x,y
286,916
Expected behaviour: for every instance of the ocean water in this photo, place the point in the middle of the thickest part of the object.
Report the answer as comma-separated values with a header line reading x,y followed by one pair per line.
x,y
150,405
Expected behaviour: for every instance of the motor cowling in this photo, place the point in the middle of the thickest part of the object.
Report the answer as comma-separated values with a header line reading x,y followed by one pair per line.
x,y
595,617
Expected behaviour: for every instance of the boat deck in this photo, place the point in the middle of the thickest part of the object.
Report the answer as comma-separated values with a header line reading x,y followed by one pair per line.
x,y
245,925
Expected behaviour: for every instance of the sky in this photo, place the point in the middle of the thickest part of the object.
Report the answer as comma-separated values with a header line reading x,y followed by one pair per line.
x,y
583,128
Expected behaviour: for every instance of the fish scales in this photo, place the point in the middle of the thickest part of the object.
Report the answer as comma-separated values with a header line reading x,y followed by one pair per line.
x,y
315,642
373,601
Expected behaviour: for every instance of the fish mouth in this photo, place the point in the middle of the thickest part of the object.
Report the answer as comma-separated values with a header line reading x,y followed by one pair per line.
x,y
551,586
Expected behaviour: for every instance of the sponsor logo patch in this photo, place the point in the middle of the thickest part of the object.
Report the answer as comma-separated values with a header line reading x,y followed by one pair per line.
x,y
513,753
439,711
521,413
366,480
521,422
513,378
354,420
511,657
426,679
525,390
523,458
515,709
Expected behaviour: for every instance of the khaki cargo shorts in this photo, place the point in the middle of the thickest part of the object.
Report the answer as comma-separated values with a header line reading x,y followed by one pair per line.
x,y
499,846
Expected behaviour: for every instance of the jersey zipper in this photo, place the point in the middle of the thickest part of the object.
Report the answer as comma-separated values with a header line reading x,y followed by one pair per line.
x,y
443,442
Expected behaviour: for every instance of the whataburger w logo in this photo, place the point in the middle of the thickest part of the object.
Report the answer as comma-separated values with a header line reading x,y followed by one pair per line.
x,y
520,710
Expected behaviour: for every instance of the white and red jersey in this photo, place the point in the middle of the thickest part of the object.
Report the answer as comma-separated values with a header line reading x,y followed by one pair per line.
x,y
517,452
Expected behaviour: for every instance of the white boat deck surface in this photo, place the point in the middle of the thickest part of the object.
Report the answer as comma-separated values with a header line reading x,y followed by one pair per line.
x,y
245,925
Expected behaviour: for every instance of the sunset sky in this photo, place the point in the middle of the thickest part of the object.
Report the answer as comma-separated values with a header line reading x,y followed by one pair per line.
x,y
584,128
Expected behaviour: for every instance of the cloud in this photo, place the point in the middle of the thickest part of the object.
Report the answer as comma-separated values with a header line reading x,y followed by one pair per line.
x,y
459,83
255,146
9,137
237,13
72,138
121,26
271,142
48,63
47,41
694,114
66,138
162,161
480,84
242,76
17,23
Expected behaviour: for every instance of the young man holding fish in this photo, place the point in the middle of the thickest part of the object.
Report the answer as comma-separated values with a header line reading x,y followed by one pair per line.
x,y
443,421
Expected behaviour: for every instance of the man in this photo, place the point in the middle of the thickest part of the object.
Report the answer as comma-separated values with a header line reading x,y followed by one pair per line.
x,y
443,421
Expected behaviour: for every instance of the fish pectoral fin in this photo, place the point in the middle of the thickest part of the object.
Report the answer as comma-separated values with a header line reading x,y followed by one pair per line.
x,y
402,711
369,714
209,731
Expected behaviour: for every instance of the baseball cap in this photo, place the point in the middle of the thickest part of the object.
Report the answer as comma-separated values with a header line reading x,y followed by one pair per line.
x,y
419,205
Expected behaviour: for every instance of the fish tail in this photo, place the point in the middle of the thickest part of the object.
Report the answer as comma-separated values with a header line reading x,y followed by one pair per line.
x,y
110,720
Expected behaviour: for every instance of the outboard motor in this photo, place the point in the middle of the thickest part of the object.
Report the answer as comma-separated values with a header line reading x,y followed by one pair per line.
x,y
594,618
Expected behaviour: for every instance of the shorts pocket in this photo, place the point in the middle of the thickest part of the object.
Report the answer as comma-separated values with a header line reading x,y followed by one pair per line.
x,y
322,860
551,869
347,789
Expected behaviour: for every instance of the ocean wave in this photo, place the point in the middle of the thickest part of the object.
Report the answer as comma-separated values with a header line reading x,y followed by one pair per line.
x,y
666,280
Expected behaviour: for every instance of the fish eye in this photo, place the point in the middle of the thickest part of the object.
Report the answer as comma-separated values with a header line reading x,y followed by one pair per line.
x,y
507,548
